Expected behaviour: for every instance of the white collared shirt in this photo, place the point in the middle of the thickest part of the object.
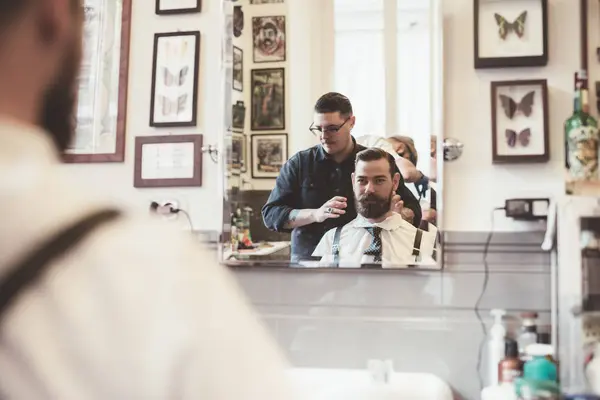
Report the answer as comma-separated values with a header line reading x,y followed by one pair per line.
x,y
397,241
136,311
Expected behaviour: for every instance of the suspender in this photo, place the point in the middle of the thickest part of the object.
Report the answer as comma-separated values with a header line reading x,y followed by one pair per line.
x,y
335,247
26,272
417,245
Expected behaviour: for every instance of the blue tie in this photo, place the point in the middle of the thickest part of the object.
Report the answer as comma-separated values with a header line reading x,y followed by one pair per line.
x,y
375,247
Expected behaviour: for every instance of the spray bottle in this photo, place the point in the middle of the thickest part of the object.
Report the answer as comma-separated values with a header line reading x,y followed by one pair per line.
x,y
496,346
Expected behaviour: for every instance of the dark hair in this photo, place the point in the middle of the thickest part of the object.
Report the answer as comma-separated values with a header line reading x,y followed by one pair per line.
x,y
409,144
374,154
333,102
9,9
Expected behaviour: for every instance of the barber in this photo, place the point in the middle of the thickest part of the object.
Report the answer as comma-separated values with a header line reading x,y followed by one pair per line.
x,y
313,192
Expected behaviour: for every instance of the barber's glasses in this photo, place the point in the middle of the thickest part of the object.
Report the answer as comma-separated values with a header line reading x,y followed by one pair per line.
x,y
317,130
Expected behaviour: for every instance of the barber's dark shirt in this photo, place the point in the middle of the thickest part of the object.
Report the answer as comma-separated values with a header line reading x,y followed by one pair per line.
x,y
309,179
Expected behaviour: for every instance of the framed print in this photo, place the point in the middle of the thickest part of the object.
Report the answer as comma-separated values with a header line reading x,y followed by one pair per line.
x,y
510,33
520,122
238,116
268,99
169,7
101,111
168,161
238,153
266,1
268,37
174,97
238,21
269,153
238,69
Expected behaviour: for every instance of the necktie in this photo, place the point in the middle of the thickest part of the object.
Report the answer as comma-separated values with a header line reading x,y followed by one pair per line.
x,y
375,247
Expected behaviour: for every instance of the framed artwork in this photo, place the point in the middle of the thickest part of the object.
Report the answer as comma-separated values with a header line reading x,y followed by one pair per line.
x,y
520,121
238,116
238,153
102,85
174,97
268,37
168,161
269,153
238,69
266,1
268,99
238,21
169,7
510,33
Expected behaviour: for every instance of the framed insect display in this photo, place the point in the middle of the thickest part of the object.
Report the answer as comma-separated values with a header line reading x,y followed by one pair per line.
x,y
174,97
510,33
520,121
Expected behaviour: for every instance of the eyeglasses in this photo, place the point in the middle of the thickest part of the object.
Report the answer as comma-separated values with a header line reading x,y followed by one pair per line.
x,y
317,130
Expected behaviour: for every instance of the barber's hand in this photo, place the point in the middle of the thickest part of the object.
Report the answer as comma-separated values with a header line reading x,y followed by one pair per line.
x,y
334,208
398,207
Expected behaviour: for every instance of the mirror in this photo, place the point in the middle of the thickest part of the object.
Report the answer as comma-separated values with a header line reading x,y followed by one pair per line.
x,y
336,108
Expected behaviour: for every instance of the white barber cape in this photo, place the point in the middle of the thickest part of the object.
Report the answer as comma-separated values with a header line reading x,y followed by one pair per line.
x,y
397,240
134,312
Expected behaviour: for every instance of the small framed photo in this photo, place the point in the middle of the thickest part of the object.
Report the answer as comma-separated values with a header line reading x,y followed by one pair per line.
x,y
238,21
510,33
266,1
169,7
268,37
520,122
238,153
168,161
238,69
268,99
269,153
174,97
238,119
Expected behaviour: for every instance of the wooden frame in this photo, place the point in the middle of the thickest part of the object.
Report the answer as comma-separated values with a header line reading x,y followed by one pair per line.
x,y
284,156
193,74
195,180
190,10
517,61
240,82
255,124
498,158
240,165
278,21
119,154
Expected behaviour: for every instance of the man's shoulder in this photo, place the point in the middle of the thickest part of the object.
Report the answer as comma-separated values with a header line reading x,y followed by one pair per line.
x,y
305,154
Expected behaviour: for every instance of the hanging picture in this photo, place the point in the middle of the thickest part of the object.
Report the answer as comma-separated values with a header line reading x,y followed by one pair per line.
x,y
238,116
238,21
266,1
167,7
238,69
269,153
268,99
268,36
510,33
520,121
238,153
174,99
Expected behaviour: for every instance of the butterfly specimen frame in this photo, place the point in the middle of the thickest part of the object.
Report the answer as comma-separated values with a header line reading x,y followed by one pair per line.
x,y
175,67
168,161
520,121
510,33
170,7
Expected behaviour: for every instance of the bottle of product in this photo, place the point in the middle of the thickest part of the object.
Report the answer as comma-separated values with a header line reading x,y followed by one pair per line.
x,y
511,367
496,346
540,375
581,136
528,332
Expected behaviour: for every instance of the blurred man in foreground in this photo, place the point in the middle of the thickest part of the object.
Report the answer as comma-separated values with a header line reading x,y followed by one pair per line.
x,y
112,308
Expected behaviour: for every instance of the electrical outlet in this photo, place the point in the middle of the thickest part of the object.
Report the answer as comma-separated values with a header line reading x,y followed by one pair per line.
x,y
163,204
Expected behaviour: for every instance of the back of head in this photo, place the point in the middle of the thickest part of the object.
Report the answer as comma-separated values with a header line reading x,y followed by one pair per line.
x,y
334,102
409,144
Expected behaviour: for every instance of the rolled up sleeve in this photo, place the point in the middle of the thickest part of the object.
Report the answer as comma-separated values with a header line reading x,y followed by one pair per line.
x,y
283,198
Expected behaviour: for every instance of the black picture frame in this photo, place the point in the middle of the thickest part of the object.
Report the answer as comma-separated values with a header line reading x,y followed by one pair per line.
x,y
238,84
239,161
194,76
536,107
254,157
238,116
509,62
256,119
191,10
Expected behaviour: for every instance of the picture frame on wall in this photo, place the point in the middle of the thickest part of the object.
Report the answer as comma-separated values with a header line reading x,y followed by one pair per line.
x,y
238,69
238,118
170,7
269,39
266,2
168,161
269,153
174,89
520,130
510,33
238,153
268,99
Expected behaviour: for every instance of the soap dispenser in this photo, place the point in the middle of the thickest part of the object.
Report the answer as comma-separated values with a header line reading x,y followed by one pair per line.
x,y
496,346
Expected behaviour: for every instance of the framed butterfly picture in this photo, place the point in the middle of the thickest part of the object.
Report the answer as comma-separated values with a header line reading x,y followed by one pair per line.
x,y
510,33
175,66
520,121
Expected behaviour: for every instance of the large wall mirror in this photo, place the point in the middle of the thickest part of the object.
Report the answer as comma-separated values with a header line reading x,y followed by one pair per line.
x,y
332,157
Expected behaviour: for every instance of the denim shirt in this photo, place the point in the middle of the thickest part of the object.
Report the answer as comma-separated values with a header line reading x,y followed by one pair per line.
x,y
308,180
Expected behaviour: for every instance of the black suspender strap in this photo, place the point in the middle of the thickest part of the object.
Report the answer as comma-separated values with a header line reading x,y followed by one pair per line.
x,y
26,272
335,247
417,245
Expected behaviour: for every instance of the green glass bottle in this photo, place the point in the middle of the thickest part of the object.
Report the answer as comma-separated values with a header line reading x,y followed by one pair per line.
x,y
581,136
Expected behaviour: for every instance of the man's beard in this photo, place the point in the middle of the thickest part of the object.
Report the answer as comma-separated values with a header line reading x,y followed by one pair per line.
x,y
372,206
57,116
